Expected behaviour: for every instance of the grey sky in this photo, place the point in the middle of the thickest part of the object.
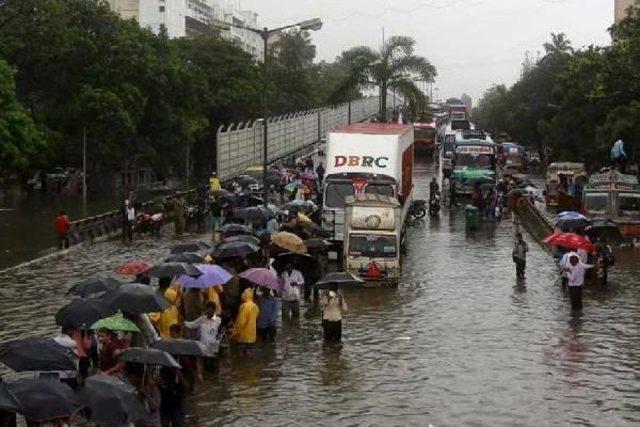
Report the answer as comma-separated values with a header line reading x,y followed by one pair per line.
x,y
473,43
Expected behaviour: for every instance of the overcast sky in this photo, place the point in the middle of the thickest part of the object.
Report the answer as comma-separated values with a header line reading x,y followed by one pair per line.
x,y
473,43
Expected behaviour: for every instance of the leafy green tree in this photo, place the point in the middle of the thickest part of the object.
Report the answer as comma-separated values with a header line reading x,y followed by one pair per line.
x,y
393,67
20,140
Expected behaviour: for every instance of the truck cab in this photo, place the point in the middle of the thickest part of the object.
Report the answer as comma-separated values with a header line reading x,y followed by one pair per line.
x,y
373,237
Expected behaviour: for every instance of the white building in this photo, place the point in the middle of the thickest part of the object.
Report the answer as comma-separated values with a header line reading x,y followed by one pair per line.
x,y
184,17
621,7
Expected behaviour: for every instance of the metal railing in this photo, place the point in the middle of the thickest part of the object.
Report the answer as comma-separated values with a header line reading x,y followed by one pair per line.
x,y
239,145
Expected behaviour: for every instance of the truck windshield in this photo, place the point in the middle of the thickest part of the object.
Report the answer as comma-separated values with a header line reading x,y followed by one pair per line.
x,y
335,194
596,203
479,161
629,205
361,245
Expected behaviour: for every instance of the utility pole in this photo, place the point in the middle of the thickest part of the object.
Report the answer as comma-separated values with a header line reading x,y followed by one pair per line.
x,y
187,167
84,168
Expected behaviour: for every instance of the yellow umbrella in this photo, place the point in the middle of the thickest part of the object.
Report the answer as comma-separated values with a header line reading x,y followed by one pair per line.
x,y
289,242
303,218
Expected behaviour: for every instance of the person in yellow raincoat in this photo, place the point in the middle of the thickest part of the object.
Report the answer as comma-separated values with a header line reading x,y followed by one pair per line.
x,y
214,182
170,316
212,294
244,328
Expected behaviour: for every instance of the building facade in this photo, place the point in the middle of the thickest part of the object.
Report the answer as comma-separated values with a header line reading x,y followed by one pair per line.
x,y
466,99
182,18
621,7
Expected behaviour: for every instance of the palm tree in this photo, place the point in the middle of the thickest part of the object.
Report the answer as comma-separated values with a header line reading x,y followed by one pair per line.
x,y
394,66
560,45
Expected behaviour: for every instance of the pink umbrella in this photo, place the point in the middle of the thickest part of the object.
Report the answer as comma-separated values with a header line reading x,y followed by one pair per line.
x,y
262,277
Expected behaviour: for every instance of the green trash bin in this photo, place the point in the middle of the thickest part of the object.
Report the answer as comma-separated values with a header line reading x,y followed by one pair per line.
x,y
471,216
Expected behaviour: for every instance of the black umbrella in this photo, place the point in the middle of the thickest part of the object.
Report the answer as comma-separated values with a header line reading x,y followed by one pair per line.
x,y
235,250
188,257
83,312
111,401
172,269
94,285
235,229
149,356
244,238
182,347
8,401
45,399
303,262
136,298
605,229
317,244
339,279
190,247
255,213
36,354
245,180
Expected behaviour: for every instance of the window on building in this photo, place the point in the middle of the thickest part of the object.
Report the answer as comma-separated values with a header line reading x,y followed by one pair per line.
x,y
161,8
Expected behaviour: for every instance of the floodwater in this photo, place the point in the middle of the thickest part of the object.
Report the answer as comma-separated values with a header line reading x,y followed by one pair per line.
x,y
27,221
457,343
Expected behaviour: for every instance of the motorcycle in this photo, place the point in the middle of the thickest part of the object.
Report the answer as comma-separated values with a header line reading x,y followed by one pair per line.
x,y
149,224
195,216
434,205
418,209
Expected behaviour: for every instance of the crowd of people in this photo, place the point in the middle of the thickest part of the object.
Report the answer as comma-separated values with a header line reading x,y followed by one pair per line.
x,y
230,319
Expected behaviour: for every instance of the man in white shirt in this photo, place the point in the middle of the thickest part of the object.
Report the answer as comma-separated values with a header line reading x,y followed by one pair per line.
x,y
575,273
564,264
292,279
208,325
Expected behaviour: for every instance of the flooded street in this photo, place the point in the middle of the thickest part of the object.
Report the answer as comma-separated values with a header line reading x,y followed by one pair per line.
x,y
457,343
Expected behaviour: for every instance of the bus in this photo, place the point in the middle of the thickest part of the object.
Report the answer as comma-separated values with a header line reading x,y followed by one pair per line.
x,y
474,162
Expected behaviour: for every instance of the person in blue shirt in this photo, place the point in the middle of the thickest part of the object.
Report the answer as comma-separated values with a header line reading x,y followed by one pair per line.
x,y
266,323
618,155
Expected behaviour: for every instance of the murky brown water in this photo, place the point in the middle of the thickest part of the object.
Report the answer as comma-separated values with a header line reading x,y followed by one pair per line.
x,y
456,344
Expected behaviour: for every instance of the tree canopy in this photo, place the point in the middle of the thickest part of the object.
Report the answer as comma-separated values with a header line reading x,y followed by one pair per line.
x,y
574,104
393,66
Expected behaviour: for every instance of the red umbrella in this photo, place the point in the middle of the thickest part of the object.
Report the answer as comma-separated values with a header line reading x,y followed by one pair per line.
x,y
569,241
133,268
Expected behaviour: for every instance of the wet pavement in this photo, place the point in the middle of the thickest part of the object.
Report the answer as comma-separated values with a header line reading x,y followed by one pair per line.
x,y
457,343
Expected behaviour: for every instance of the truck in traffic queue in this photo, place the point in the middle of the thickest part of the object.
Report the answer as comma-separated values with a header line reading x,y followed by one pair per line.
x,y
374,229
424,136
365,158
474,163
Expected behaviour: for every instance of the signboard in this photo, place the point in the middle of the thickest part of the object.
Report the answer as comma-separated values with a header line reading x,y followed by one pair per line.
x,y
473,134
373,218
474,149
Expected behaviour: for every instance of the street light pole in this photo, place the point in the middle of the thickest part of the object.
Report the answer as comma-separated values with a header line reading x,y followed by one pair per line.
x,y
265,34
265,124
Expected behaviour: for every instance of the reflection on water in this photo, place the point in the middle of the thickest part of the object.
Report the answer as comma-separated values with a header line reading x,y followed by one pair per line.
x,y
458,343
26,221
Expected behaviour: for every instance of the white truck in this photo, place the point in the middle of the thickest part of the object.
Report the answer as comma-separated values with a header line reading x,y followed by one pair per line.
x,y
365,158
374,233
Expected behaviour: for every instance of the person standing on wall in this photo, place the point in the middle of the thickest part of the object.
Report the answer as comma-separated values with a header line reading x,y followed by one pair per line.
x,y
128,220
62,230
